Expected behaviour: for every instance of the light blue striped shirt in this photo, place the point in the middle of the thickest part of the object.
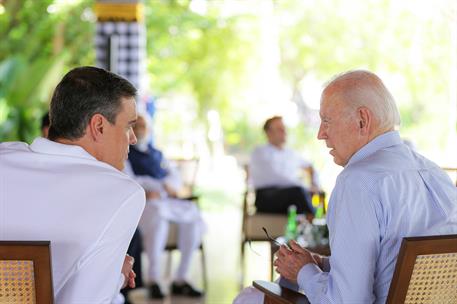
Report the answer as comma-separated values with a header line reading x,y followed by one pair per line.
x,y
385,192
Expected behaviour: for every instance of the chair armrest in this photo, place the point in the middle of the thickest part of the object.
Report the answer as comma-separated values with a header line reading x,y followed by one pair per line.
x,y
275,294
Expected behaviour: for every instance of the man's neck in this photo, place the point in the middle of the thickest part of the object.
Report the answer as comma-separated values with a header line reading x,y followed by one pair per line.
x,y
81,142
277,146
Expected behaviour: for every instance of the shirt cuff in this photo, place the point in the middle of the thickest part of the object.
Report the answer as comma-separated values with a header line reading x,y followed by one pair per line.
x,y
305,273
287,284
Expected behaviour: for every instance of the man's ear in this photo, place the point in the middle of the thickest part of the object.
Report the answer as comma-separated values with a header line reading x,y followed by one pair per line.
x,y
96,126
365,120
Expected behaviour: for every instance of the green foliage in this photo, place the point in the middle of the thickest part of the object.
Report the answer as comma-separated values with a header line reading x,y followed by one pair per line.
x,y
36,48
211,57
24,89
402,40
204,55
241,134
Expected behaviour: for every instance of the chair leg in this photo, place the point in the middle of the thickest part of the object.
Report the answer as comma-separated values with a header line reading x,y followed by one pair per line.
x,y
204,273
243,264
168,268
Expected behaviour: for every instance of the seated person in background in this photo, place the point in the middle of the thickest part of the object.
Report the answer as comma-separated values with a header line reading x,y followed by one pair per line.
x,y
45,125
150,169
69,189
386,191
275,172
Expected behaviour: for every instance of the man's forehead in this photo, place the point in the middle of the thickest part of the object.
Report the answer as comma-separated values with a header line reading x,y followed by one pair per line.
x,y
128,104
332,110
277,122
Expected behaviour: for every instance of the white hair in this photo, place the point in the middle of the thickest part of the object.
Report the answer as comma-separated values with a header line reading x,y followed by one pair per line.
x,y
363,88
147,118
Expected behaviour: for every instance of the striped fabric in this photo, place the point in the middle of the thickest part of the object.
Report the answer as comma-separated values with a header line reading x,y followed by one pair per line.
x,y
385,192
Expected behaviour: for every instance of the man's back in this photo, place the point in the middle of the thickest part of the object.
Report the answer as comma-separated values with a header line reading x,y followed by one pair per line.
x,y
86,208
386,192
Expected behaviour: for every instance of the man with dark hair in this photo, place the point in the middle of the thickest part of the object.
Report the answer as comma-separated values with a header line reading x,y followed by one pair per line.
x,y
76,195
275,172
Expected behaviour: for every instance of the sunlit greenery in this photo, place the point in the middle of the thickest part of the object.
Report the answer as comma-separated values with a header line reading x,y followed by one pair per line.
x,y
218,68
245,60
39,41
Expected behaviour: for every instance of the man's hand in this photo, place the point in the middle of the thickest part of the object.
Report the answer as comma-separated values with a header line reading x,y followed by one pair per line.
x,y
170,191
152,195
128,272
289,262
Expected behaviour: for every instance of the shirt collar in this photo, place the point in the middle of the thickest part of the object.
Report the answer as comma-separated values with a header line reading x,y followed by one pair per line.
x,y
385,140
273,147
46,146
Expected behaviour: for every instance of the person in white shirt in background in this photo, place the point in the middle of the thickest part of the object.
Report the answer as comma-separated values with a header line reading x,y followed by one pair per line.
x,y
162,182
70,189
276,173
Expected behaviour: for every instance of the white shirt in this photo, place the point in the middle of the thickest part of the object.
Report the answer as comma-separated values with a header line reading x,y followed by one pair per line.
x,y
271,166
87,209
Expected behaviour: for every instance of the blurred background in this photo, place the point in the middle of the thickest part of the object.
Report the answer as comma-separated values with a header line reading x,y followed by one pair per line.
x,y
214,70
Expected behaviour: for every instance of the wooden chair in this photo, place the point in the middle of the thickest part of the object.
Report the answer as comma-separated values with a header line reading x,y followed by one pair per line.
x,y
252,222
25,272
188,169
425,273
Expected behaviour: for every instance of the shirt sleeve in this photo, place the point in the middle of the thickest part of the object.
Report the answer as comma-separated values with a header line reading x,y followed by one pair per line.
x,y
103,261
173,178
355,244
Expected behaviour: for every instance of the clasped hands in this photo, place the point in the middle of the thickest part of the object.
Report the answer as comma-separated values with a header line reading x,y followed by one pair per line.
x,y
289,261
154,195
128,272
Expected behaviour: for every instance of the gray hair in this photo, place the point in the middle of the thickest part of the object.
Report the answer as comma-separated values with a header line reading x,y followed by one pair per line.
x,y
363,88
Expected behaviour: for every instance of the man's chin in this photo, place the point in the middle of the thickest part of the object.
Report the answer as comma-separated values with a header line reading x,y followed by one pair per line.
x,y
338,161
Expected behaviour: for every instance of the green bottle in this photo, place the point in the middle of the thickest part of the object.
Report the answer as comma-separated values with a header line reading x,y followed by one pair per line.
x,y
319,212
291,228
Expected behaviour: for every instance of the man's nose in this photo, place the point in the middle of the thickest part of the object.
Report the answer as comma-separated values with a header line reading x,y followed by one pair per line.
x,y
321,133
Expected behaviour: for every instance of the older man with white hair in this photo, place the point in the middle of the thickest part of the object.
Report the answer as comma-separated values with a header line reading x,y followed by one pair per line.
x,y
385,192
